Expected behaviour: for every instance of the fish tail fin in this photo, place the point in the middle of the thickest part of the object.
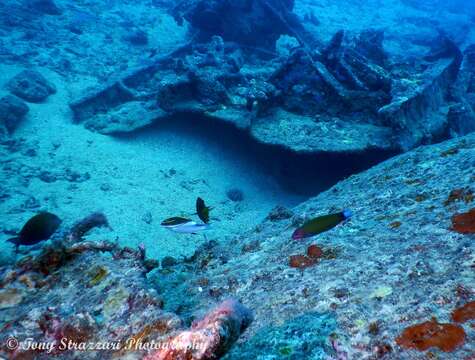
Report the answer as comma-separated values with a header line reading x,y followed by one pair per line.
x,y
298,234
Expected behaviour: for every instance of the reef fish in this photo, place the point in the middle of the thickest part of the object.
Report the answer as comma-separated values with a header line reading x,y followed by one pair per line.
x,y
174,221
202,210
39,228
183,225
320,224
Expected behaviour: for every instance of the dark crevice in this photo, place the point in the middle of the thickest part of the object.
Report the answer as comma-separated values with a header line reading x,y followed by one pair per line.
x,y
305,174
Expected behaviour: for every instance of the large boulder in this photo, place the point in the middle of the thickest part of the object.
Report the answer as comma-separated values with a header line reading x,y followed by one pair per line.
x,y
418,111
240,20
31,86
12,111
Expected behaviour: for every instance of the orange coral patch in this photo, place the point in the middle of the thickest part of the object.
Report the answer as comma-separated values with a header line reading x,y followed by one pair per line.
x,y
314,252
464,313
446,337
464,223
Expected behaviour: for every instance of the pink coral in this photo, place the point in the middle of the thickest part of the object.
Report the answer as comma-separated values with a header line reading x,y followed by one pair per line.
x,y
209,338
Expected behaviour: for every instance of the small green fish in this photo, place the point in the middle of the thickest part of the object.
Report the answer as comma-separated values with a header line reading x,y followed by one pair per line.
x,y
202,210
320,224
39,228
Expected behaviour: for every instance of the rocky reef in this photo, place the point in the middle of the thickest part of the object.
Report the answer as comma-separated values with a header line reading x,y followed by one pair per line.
x,y
392,282
347,96
404,258
70,299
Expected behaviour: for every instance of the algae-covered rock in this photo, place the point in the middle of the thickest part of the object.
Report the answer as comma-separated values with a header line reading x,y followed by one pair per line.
x,y
304,134
125,118
31,86
10,297
302,337
12,112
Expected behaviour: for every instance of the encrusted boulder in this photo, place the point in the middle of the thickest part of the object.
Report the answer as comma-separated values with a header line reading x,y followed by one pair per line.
x,y
418,113
31,86
124,118
403,243
461,119
12,111
239,21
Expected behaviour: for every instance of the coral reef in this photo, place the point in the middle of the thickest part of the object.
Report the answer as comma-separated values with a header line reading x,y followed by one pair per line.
x,y
197,95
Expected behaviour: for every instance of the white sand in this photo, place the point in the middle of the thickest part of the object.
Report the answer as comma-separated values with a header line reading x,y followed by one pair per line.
x,y
134,170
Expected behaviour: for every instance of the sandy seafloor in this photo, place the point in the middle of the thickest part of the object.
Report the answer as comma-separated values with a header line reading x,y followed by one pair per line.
x,y
137,181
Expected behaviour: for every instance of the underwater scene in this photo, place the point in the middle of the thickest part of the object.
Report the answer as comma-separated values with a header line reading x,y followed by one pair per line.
x,y
237,179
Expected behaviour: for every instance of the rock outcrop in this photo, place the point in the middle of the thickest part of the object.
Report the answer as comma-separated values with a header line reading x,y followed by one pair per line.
x,y
397,262
239,21
12,112
348,98
31,86
76,300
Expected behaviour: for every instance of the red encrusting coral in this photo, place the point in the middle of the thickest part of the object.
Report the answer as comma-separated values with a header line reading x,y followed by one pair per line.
x,y
464,313
314,251
464,223
301,261
446,337
209,338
